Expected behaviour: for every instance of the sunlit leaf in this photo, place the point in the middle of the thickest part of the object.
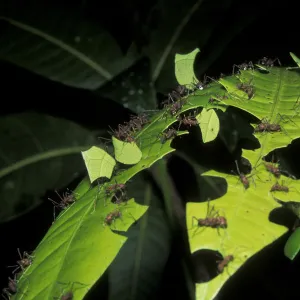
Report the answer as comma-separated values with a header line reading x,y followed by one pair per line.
x,y
184,67
98,163
209,124
127,153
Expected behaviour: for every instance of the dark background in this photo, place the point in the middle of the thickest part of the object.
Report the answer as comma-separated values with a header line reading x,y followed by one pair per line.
x,y
274,33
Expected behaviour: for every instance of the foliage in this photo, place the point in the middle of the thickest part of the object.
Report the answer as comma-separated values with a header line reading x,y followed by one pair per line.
x,y
103,223
32,143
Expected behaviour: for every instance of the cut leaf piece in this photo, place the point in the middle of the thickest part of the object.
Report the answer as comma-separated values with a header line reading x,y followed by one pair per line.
x,y
126,153
292,246
184,67
209,124
98,163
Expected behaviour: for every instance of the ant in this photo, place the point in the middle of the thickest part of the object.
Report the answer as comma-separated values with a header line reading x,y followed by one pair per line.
x,y
212,220
187,121
177,93
266,126
119,191
200,85
280,188
66,200
176,107
137,122
11,289
244,180
67,296
244,66
273,169
268,62
170,133
24,262
223,263
123,133
115,187
248,88
112,216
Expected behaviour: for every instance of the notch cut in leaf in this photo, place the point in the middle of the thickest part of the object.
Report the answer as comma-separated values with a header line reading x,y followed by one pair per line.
x,y
98,163
209,124
126,153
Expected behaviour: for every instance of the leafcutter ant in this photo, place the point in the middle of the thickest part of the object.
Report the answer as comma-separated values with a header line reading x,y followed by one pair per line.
x,y
119,191
170,133
66,200
137,122
244,180
111,217
177,93
244,66
24,262
176,107
268,62
67,296
11,289
123,133
223,263
248,88
280,188
273,169
212,220
189,120
200,85
266,126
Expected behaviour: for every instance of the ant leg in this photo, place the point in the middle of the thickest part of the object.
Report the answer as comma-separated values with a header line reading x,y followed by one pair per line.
x,y
277,60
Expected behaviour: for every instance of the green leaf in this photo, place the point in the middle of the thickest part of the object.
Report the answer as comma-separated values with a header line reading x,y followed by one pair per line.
x,y
82,188
295,58
98,163
275,94
57,258
209,124
30,144
184,67
62,45
292,246
126,153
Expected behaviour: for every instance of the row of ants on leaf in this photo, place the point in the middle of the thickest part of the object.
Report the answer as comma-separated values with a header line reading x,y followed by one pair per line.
x,y
214,220
24,262
117,190
126,133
